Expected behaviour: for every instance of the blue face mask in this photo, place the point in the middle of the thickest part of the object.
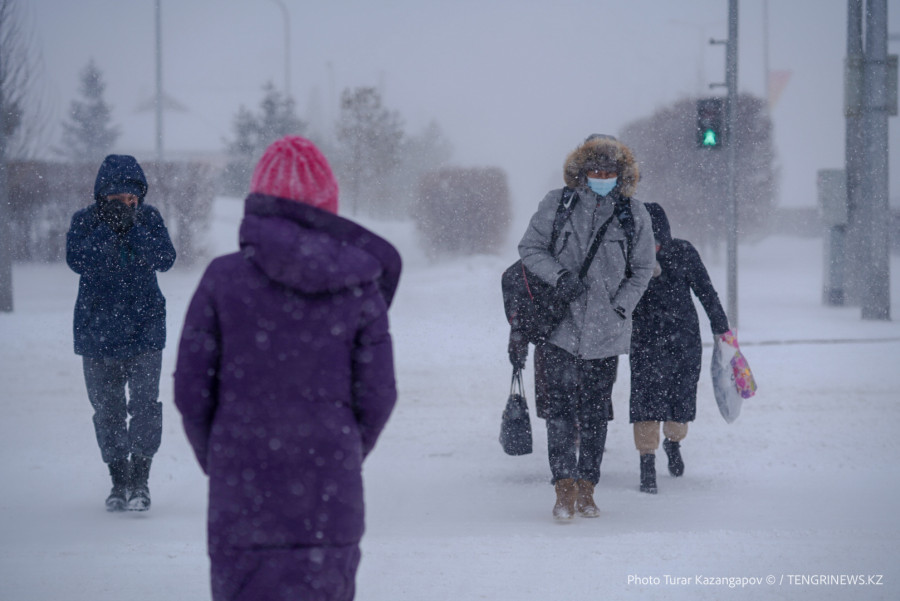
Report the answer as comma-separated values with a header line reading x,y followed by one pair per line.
x,y
602,187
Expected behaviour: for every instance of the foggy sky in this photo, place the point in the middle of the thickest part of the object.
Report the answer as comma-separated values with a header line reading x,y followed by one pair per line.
x,y
513,83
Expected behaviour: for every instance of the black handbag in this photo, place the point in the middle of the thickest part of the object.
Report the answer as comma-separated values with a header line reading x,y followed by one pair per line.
x,y
515,426
533,307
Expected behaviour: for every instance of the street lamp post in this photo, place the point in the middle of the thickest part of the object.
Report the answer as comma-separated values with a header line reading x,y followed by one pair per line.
x,y
159,85
287,46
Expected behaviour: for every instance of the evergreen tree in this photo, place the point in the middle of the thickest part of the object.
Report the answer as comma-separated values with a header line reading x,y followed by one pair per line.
x,y
88,135
370,143
253,132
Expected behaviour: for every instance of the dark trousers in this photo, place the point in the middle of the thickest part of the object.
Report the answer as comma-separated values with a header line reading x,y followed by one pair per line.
x,y
106,381
579,405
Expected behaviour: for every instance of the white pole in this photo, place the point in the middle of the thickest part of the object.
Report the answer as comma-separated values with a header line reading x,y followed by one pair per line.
x,y
286,17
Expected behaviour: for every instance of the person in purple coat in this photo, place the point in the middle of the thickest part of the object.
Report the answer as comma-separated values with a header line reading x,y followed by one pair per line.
x,y
285,379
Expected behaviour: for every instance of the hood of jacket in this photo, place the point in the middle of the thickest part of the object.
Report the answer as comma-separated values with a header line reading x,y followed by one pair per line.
x,y
118,174
600,150
662,233
314,251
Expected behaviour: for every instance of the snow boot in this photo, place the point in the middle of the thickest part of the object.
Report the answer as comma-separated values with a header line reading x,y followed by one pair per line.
x,y
584,500
139,498
648,473
673,452
565,499
118,471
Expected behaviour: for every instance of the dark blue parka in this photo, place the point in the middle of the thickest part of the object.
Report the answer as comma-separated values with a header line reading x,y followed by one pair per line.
x,y
120,311
666,350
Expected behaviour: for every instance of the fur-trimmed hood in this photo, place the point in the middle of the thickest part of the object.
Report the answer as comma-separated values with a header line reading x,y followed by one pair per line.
x,y
602,149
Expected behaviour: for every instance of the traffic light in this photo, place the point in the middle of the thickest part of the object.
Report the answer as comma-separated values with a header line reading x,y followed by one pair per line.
x,y
710,123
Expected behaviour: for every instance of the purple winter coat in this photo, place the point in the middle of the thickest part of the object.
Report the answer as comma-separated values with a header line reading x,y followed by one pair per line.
x,y
285,377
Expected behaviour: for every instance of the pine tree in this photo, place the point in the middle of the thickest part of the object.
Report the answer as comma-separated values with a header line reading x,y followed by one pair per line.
x,y
253,132
370,139
88,135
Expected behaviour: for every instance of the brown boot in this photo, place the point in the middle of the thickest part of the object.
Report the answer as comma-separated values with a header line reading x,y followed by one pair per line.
x,y
584,502
565,499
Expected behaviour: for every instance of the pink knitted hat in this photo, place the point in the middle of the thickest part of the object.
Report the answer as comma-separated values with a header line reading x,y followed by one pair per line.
x,y
294,168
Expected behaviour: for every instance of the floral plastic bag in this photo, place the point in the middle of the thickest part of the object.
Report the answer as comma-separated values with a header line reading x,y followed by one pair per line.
x,y
732,379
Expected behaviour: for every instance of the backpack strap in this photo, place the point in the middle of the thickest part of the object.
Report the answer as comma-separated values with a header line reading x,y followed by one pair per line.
x,y
567,202
622,211
592,251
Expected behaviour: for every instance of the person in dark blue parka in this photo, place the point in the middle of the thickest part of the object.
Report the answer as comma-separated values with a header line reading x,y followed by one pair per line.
x,y
117,245
666,349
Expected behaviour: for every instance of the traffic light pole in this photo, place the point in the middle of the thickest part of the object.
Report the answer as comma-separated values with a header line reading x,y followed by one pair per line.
x,y
731,197
876,301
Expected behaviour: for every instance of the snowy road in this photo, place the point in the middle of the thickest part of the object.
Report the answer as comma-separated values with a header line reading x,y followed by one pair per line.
x,y
802,488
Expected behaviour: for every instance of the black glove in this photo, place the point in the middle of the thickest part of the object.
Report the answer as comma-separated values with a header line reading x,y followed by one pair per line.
x,y
517,349
117,215
569,286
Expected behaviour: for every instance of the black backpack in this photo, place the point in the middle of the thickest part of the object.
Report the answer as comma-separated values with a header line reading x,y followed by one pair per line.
x,y
532,306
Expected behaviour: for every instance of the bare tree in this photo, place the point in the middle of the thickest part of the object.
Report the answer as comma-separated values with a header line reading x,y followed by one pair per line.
x,y
19,103
24,115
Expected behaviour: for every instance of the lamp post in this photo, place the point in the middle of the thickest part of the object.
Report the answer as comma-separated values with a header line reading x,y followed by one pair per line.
x,y
159,86
287,46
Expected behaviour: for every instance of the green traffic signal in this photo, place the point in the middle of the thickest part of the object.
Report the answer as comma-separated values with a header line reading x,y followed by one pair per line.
x,y
711,123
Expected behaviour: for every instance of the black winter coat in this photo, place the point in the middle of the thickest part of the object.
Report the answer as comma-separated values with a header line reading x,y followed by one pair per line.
x,y
666,350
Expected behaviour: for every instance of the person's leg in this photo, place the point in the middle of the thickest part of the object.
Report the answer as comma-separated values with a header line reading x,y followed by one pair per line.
x,y
646,437
145,428
674,432
559,377
646,440
105,383
593,441
594,411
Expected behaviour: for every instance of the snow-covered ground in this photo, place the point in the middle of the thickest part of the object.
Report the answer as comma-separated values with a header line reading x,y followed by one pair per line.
x,y
802,489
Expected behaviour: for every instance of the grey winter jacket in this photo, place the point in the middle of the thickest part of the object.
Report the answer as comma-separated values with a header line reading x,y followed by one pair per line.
x,y
593,329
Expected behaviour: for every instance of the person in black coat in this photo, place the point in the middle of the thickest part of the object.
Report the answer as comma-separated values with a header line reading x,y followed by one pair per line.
x,y
117,245
666,348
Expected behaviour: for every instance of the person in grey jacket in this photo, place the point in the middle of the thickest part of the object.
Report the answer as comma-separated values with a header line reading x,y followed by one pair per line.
x,y
576,368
